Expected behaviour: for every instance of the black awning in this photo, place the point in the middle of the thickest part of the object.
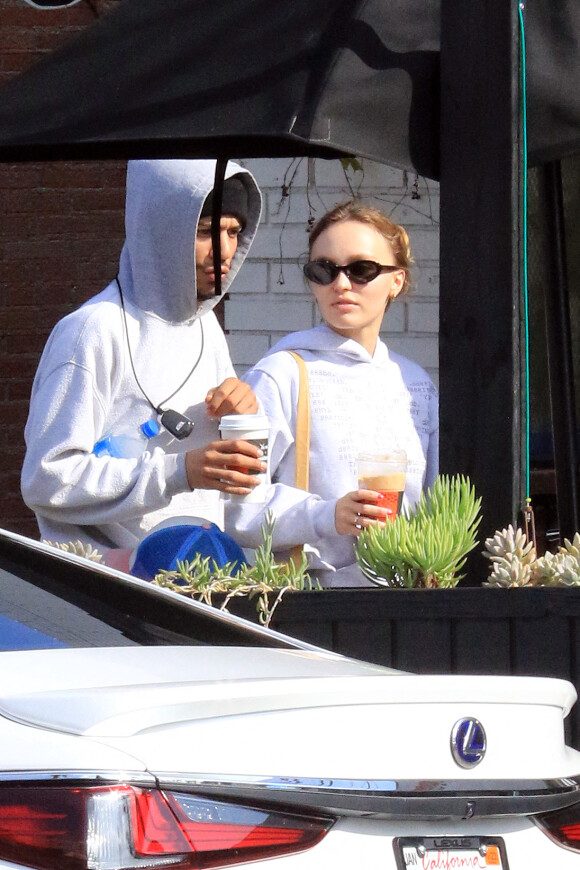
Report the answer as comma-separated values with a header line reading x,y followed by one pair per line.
x,y
255,78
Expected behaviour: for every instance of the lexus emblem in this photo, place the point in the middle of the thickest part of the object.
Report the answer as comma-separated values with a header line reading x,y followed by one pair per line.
x,y
468,743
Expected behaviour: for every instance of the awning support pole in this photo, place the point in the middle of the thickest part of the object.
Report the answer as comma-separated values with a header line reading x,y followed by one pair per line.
x,y
482,374
559,341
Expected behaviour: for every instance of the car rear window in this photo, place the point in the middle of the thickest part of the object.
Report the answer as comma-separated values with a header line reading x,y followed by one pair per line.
x,y
32,618
49,600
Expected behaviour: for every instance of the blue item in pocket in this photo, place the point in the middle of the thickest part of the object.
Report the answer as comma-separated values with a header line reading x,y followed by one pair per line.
x,y
163,549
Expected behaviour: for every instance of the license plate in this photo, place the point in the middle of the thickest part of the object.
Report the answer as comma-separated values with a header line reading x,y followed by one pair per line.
x,y
450,853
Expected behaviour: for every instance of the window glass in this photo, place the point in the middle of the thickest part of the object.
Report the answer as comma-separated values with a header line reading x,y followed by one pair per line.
x,y
31,618
48,600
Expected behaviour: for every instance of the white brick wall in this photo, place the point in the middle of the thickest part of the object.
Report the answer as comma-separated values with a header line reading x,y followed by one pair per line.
x,y
270,296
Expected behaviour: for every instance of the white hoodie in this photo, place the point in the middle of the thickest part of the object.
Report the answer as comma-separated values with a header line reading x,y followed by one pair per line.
x,y
358,403
85,386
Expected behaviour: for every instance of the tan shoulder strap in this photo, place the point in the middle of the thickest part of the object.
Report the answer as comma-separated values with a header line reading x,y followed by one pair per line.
x,y
302,438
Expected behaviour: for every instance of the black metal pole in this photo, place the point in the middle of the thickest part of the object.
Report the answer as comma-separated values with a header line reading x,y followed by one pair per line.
x,y
481,371
216,215
559,341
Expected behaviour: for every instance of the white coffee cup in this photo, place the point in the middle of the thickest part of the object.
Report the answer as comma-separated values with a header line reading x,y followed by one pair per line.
x,y
254,428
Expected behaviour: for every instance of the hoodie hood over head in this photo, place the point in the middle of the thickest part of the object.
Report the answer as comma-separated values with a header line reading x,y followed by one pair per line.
x,y
164,201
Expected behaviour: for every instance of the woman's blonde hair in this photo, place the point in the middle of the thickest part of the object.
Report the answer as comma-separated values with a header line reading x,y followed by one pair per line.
x,y
364,214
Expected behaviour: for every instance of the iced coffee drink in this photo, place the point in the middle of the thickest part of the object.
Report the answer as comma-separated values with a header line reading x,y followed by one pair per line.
x,y
386,474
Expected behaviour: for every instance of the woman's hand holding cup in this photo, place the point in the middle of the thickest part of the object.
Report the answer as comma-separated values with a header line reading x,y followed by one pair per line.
x,y
381,480
356,511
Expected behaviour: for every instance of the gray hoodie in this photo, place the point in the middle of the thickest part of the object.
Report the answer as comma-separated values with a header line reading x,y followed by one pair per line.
x,y
86,387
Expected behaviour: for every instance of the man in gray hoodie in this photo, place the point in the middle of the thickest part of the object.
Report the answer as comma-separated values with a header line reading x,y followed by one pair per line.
x,y
147,345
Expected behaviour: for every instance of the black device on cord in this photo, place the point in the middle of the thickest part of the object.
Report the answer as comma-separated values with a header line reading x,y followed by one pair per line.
x,y
176,424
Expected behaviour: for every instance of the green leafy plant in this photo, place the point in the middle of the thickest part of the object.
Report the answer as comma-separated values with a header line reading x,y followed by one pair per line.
x,y
351,163
427,547
201,579
514,561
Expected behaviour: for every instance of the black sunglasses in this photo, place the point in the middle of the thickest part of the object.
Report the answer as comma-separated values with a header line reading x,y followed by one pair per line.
x,y
359,272
51,4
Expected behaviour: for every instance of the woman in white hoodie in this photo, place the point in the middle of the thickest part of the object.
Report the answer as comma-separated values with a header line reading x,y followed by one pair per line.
x,y
363,398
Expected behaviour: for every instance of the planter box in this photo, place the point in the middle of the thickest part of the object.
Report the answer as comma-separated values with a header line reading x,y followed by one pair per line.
x,y
534,632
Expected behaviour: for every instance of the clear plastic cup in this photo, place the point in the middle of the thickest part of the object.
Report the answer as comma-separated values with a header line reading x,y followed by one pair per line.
x,y
386,474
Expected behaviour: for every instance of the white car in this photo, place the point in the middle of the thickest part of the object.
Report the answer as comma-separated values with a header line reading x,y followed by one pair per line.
x,y
139,729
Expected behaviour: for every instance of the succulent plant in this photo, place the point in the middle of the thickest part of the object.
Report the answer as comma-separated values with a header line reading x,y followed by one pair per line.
x,y
565,570
428,546
78,548
512,541
515,562
512,557
509,571
572,549
201,578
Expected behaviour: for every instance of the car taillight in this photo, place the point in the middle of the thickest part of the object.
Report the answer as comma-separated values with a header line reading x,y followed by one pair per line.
x,y
562,826
124,827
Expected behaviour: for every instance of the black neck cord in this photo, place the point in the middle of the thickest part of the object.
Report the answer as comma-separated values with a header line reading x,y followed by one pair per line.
x,y
157,408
